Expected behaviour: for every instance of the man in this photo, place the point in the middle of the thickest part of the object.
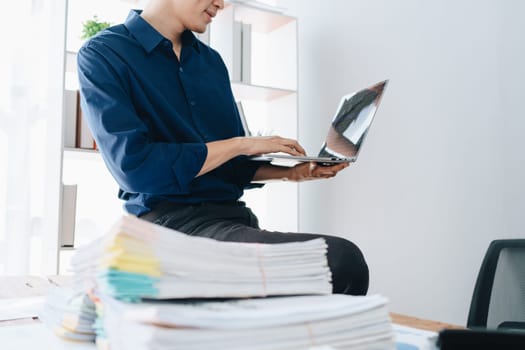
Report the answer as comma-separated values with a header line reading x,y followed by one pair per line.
x,y
161,109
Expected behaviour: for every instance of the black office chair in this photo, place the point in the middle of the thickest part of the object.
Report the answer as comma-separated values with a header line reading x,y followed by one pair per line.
x,y
498,301
497,310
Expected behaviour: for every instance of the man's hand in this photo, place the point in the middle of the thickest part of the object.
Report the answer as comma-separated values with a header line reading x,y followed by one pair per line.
x,y
298,173
219,152
312,171
258,145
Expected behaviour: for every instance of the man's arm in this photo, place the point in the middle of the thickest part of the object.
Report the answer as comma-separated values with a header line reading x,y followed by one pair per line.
x,y
219,152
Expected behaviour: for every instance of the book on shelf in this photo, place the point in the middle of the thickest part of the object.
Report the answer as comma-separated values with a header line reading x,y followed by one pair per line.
x,y
76,130
84,137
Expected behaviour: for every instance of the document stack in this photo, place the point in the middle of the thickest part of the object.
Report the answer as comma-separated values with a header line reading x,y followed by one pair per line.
x,y
138,259
280,323
156,288
69,314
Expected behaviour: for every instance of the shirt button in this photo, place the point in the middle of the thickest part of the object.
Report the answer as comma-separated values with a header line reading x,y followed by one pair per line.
x,y
192,103
181,70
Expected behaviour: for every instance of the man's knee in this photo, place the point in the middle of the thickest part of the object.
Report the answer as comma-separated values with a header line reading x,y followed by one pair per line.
x,y
350,273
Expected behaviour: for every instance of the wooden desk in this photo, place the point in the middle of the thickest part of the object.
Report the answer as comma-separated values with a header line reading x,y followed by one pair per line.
x,y
21,297
403,320
419,323
30,286
29,333
36,336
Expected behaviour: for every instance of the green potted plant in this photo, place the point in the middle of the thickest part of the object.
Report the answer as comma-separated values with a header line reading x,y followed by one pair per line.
x,y
92,27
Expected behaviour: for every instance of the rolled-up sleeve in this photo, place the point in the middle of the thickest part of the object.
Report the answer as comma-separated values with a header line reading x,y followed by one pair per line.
x,y
138,163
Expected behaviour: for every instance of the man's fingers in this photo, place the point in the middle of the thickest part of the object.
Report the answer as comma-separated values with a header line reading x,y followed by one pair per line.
x,y
300,148
281,144
295,147
292,149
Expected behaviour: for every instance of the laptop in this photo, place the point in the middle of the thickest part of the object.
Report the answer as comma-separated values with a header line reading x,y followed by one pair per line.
x,y
347,130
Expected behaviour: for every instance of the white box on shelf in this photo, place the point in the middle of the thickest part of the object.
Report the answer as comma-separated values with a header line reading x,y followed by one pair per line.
x,y
67,224
246,53
70,117
236,73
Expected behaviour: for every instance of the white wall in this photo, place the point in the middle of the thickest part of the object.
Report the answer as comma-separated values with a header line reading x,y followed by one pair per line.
x,y
512,48
442,172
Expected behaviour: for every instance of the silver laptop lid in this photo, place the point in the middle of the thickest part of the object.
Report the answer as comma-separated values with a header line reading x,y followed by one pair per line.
x,y
351,122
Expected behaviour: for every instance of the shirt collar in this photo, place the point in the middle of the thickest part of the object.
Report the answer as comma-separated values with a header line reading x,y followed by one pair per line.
x,y
149,37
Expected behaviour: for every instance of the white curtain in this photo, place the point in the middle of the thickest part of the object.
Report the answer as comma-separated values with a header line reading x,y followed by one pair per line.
x,y
30,113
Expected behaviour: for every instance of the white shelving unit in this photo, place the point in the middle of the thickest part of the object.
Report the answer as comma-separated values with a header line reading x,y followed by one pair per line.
x,y
97,204
270,97
269,101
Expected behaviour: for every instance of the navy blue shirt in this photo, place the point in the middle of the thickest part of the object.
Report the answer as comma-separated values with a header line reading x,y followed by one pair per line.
x,y
152,114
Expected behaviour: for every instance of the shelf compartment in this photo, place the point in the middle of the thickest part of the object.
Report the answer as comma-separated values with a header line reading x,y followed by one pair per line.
x,y
263,20
257,92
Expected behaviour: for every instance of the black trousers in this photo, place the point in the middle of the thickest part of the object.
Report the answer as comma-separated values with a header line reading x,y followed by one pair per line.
x,y
234,222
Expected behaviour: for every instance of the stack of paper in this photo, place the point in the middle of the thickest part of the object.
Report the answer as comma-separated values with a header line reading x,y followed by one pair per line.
x,y
138,259
150,287
414,338
70,314
280,323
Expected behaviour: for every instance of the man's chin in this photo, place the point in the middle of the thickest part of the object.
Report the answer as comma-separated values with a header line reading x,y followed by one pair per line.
x,y
198,29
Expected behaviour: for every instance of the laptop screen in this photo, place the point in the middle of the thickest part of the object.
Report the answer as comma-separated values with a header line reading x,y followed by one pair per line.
x,y
351,122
